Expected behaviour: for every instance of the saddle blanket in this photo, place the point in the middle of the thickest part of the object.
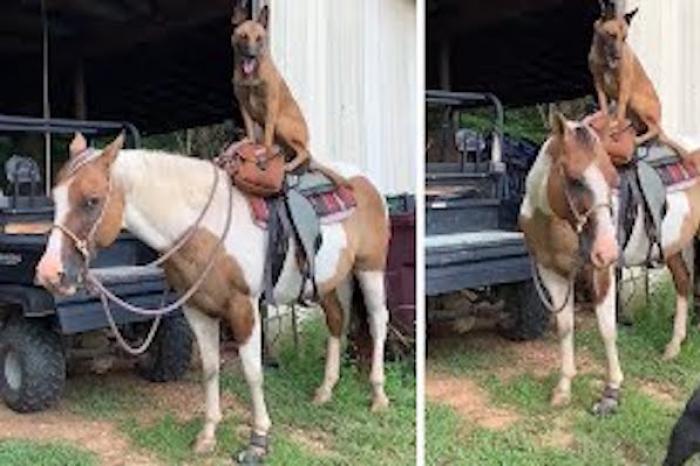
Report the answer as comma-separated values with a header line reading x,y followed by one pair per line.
x,y
331,206
677,174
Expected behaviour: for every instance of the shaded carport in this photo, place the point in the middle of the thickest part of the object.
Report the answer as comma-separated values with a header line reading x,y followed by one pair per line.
x,y
524,51
160,64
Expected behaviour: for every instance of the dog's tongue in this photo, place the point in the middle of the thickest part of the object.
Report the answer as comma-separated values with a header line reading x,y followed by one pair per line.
x,y
248,66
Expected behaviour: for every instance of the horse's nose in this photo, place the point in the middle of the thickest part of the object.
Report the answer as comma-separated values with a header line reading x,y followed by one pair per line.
x,y
604,251
49,272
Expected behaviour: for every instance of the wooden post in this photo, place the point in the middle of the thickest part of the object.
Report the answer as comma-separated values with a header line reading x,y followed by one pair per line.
x,y
445,69
80,101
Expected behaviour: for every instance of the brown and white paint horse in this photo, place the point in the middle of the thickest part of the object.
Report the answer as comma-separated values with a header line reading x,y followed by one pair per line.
x,y
158,196
568,189
567,217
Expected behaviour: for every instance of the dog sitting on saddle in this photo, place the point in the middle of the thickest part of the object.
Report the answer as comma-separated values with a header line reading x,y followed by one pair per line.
x,y
264,96
619,75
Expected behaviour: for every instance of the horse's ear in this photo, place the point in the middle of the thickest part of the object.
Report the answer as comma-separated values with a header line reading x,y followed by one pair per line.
x,y
78,145
109,154
240,13
630,15
557,122
264,16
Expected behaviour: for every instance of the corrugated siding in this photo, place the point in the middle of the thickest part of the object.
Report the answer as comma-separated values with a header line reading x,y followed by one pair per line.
x,y
666,37
351,66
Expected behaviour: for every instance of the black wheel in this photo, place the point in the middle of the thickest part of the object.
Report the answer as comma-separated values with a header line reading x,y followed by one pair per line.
x,y
169,355
528,319
32,366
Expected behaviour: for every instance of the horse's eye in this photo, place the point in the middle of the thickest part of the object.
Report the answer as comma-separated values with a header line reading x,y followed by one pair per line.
x,y
259,40
91,202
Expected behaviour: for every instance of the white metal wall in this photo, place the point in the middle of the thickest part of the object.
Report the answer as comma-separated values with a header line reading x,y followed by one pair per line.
x,y
351,66
666,37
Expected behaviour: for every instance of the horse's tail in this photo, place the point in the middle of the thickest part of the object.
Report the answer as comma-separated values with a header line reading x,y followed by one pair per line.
x,y
358,334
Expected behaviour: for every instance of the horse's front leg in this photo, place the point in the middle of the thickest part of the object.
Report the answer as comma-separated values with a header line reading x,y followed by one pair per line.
x,y
560,290
681,281
250,354
605,289
206,331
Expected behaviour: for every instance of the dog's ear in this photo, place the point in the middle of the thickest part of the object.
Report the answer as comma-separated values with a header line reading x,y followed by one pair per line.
x,y
630,15
264,16
240,13
607,9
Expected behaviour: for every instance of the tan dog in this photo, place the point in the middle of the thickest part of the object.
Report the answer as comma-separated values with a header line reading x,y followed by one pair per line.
x,y
618,75
264,96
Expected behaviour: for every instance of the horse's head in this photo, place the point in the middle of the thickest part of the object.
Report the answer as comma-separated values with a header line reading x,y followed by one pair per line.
x,y
581,187
88,214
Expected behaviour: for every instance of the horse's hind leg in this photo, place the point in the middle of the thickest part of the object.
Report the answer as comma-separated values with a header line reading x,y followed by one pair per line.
x,y
605,289
559,290
333,304
681,281
374,294
206,331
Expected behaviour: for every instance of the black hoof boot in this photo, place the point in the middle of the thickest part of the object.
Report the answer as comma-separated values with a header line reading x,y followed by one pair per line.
x,y
608,403
255,453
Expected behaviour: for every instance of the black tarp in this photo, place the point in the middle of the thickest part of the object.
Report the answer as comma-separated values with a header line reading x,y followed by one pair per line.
x,y
524,51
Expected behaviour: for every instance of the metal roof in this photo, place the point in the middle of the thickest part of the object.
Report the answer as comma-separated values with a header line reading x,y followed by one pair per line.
x,y
161,64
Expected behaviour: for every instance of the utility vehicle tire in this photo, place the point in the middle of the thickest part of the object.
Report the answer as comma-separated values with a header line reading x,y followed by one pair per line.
x,y
528,319
170,353
32,366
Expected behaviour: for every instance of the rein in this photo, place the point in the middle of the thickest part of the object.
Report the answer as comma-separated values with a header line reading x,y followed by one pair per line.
x,y
580,219
82,245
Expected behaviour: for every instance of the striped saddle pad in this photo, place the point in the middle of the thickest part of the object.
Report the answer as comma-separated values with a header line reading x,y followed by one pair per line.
x,y
677,174
331,205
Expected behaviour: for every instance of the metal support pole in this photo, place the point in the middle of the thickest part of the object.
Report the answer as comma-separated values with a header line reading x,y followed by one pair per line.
x,y
46,101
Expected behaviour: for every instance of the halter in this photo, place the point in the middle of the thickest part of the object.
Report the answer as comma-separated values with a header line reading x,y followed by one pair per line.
x,y
580,219
82,245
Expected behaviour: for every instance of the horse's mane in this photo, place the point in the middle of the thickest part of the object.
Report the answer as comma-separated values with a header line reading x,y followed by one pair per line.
x,y
180,178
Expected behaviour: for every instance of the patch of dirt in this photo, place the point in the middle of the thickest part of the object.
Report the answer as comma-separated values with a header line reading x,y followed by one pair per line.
x,y
469,400
662,392
99,437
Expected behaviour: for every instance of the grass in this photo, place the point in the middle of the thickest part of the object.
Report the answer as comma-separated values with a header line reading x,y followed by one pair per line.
x,y
342,432
28,453
637,434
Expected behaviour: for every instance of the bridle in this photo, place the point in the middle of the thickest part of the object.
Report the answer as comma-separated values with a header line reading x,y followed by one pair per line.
x,y
82,245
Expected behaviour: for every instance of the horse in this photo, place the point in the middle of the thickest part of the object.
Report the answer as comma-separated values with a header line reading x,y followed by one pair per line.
x,y
160,197
567,217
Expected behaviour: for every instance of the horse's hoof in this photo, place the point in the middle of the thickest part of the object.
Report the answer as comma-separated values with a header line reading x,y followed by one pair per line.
x,y
251,456
671,352
560,399
322,397
379,403
608,403
204,445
